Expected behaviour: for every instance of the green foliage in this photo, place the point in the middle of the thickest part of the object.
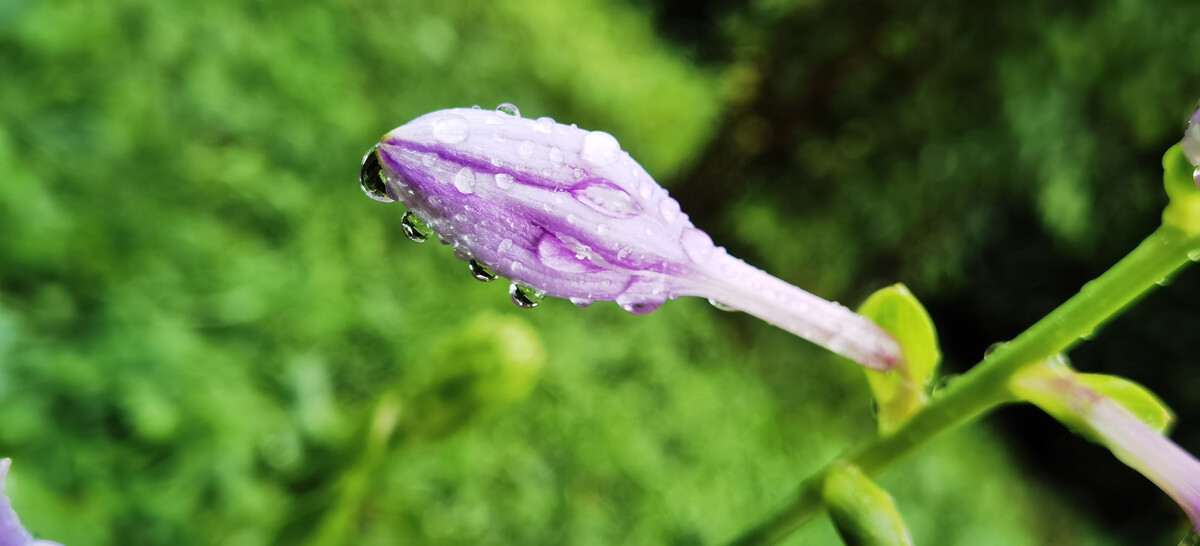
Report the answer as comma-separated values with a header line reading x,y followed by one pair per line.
x,y
204,325
899,393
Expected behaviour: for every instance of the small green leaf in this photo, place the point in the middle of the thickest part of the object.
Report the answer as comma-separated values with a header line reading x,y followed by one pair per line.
x,y
899,393
863,513
1142,403
1183,211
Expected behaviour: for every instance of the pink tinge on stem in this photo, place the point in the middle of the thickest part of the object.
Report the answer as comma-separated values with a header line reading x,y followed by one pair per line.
x,y
1135,443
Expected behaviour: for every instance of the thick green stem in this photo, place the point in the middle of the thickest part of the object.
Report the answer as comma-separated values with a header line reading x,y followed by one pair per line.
x,y
987,385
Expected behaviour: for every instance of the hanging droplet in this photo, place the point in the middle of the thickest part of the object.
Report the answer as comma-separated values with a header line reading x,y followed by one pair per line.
x,y
525,297
414,228
371,177
580,302
509,109
481,272
722,306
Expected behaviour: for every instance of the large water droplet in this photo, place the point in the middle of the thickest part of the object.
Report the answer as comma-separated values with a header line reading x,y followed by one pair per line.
x,y
607,198
414,228
722,306
504,181
543,125
697,244
600,148
481,272
525,297
371,177
451,129
508,109
464,180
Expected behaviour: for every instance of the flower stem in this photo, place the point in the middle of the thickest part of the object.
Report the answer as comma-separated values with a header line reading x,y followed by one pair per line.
x,y
987,384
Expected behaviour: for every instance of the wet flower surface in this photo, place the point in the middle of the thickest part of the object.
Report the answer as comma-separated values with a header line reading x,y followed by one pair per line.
x,y
566,212
1191,143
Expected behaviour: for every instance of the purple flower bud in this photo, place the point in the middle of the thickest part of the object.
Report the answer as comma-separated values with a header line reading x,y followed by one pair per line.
x,y
1191,143
565,212
1134,442
11,531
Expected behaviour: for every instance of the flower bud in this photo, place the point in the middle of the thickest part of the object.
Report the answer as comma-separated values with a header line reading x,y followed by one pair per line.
x,y
566,212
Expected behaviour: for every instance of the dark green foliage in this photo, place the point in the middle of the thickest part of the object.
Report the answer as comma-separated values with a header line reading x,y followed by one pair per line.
x,y
201,314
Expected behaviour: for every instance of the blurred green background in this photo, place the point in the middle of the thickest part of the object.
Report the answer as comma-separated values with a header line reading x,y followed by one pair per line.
x,y
208,335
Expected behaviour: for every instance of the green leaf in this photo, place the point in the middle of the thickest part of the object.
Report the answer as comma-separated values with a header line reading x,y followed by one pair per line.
x,y
1183,211
1142,403
899,393
863,513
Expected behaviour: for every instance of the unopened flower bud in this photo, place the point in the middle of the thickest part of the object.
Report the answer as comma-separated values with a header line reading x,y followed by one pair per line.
x,y
566,212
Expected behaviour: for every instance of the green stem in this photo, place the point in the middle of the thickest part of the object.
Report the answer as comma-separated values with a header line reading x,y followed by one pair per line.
x,y
986,385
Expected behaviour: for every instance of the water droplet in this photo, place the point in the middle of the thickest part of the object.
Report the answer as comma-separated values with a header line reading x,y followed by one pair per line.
x,y
543,125
637,307
525,297
1194,255
571,218
581,302
464,180
476,107
428,159
556,154
461,218
606,197
504,181
451,129
943,382
526,148
508,109
669,209
601,229
697,244
371,177
501,136
481,272
505,245
722,306
600,148
414,228
557,255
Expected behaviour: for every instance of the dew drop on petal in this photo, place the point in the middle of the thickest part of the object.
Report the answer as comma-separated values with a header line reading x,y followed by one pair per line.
x,y
556,154
508,109
697,244
580,302
605,197
464,180
637,306
504,245
543,125
526,148
481,272
600,148
525,297
669,209
504,181
451,129
414,228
